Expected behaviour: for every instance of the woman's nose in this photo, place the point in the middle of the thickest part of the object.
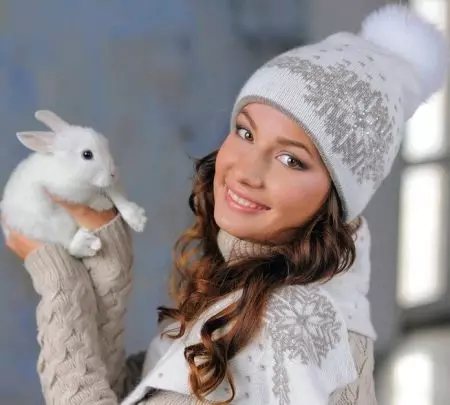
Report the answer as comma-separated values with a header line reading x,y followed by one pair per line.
x,y
250,171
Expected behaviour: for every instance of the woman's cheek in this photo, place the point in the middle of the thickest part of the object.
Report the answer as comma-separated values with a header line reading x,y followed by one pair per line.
x,y
299,193
285,191
225,155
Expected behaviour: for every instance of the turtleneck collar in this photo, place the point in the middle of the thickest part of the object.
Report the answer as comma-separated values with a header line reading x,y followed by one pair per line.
x,y
233,248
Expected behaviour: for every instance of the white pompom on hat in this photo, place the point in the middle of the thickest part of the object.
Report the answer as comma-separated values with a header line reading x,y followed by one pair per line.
x,y
353,94
415,40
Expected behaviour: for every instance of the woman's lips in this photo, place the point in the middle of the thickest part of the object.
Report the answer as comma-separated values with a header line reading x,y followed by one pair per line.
x,y
242,204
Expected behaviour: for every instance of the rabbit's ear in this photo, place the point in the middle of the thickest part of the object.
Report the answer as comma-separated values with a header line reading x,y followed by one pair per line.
x,y
38,141
53,121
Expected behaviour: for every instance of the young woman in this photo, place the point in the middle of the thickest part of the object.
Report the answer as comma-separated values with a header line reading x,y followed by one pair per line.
x,y
270,281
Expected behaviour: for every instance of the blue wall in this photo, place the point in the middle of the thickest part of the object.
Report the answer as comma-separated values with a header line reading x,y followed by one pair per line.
x,y
158,78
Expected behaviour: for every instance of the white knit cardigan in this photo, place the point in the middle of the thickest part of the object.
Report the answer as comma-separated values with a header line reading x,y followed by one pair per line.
x,y
303,352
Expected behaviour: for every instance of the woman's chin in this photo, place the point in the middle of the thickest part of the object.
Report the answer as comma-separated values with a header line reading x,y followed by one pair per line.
x,y
240,229
252,225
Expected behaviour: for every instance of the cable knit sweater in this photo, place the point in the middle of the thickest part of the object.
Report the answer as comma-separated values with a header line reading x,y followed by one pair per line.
x,y
80,320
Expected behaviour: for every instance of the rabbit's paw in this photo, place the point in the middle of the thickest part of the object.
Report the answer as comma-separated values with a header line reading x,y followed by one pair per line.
x,y
134,216
84,244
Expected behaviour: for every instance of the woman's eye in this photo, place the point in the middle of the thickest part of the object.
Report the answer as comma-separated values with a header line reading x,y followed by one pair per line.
x,y
244,133
291,162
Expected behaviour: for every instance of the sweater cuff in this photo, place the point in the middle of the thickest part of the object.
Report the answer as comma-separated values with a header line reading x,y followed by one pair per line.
x,y
51,266
116,244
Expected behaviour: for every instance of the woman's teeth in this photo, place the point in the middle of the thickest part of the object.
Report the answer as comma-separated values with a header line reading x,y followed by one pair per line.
x,y
244,202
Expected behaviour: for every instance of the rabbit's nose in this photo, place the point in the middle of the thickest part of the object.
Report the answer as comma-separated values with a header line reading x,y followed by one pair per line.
x,y
113,173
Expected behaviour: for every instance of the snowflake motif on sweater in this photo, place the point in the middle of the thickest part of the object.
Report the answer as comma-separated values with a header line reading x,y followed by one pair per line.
x,y
302,324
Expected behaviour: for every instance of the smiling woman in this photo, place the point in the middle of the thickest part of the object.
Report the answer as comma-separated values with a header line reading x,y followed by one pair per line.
x,y
270,179
270,282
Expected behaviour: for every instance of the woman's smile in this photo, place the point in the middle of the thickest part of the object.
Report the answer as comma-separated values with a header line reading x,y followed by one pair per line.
x,y
239,202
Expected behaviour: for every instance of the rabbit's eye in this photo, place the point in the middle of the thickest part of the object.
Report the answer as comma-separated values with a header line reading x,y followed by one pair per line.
x,y
87,154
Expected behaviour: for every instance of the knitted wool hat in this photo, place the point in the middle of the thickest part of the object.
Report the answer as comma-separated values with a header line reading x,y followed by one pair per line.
x,y
353,93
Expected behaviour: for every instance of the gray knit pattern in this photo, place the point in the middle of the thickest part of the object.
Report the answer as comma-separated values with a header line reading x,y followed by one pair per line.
x,y
349,96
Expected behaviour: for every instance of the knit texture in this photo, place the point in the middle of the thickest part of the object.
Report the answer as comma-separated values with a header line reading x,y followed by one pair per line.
x,y
360,392
74,366
70,365
361,346
171,398
111,275
233,248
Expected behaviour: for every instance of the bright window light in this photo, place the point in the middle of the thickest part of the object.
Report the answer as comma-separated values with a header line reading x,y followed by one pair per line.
x,y
433,10
422,274
425,131
413,380
425,135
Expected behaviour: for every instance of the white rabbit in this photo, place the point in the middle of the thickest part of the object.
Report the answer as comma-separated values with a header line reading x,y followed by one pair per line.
x,y
74,164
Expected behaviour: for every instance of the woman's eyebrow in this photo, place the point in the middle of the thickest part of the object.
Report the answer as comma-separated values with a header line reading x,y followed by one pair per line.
x,y
250,119
291,142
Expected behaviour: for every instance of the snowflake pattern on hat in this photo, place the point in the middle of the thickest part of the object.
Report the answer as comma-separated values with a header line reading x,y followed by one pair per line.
x,y
356,117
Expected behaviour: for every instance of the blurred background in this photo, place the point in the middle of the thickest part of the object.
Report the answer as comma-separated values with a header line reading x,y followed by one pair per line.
x,y
159,79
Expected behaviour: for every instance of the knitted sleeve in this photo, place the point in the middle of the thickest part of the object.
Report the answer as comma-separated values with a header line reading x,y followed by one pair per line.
x,y
111,274
70,364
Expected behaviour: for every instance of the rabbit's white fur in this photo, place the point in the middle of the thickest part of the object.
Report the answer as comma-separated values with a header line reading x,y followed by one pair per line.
x,y
58,167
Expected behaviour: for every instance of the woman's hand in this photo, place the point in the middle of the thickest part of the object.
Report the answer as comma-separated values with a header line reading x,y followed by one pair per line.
x,y
84,216
21,245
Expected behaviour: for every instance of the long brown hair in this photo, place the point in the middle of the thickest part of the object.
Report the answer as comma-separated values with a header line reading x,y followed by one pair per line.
x,y
321,249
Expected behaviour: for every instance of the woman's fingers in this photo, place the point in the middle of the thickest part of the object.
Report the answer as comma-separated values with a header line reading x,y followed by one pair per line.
x,y
85,216
20,245
73,208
